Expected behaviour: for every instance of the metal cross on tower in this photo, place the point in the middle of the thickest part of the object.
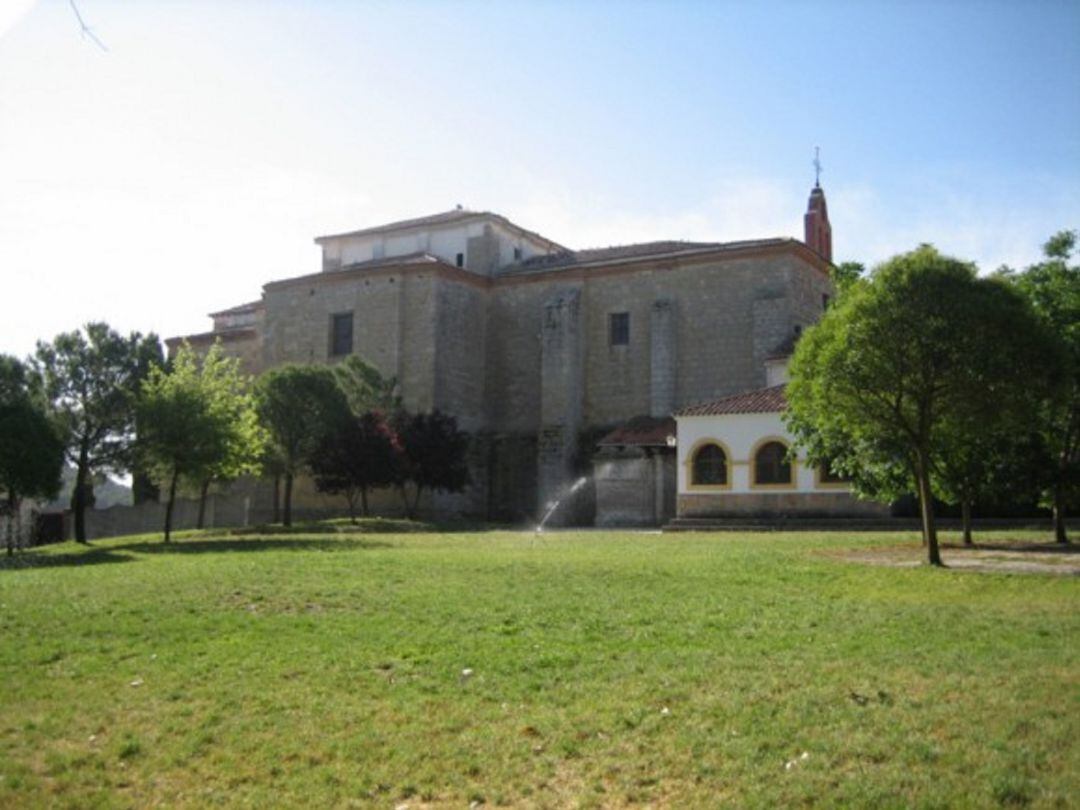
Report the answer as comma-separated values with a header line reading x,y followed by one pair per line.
x,y
817,167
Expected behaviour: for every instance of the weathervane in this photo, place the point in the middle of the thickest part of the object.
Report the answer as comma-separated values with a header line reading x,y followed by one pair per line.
x,y
817,167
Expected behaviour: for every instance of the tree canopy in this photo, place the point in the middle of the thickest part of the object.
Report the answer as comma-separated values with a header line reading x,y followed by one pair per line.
x,y
299,406
361,455
31,449
365,388
1053,289
91,379
197,422
920,348
432,455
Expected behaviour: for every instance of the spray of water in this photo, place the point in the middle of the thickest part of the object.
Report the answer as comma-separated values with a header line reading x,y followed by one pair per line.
x,y
555,504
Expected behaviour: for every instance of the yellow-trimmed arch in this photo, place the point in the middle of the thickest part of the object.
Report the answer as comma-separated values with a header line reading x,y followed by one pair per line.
x,y
698,446
757,448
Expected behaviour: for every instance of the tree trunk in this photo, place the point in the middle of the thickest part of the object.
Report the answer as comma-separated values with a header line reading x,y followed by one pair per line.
x,y
405,500
169,505
363,501
277,498
416,504
1060,533
78,500
351,498
13,508
926,506
202,503
965,520
288,499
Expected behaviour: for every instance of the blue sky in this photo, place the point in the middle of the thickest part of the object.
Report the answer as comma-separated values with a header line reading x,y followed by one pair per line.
x,y
196,159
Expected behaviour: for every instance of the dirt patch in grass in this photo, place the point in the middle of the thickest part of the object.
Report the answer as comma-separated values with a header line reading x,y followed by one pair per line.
x,y
997,557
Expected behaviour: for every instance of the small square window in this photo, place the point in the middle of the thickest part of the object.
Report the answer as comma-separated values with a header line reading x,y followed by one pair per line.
x,y
460,260
341,329
619,328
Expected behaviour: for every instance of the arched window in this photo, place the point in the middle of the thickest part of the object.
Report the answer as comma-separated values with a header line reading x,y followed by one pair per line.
x,y
771,465
710,466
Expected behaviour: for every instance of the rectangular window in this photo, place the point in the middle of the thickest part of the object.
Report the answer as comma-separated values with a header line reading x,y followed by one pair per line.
x,y
824,302
517,254
461,260
341,334
619,328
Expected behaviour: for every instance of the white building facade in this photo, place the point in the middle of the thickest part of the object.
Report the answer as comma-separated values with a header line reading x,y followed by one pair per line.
x,y
736,458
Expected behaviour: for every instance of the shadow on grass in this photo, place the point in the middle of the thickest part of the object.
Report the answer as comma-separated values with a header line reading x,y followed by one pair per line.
x,y
1019,546
217,545
35,559
368,525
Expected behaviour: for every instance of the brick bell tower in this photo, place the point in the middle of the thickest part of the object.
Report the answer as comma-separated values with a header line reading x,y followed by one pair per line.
x,y
818,231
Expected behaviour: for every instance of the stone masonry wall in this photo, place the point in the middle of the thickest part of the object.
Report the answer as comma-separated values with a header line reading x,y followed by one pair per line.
x,y
561,354
460,351
528,361
393,326
663,358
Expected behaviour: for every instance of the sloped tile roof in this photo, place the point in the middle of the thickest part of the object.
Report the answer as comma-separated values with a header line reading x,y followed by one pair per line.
x,y
239,309
641,250
420,257
763,400
442,218
642,431
224,335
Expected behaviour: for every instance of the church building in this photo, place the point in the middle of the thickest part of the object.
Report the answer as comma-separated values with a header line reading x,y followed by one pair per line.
x,y
548,356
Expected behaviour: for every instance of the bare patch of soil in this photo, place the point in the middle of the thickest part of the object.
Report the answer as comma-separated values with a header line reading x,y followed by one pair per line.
x,y
997,557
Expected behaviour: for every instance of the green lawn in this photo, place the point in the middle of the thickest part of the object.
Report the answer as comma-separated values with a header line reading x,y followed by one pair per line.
x,y
608,669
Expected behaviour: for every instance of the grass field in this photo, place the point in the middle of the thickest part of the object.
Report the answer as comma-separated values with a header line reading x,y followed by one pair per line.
x,y
607,670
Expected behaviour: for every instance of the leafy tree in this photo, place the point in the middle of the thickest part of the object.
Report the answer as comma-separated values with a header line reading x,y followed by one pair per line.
x,y
365,388
432,455
92,380
299,406
845,274
1053,288
984,460
362,454
922,341
198,422
31,450
229,392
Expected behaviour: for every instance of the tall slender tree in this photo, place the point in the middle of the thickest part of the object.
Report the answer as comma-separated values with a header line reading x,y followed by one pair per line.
x,y
299,406
198,422
1053,288
92,379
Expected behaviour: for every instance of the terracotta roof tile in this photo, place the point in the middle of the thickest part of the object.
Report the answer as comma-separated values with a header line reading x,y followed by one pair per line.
x,y
763,400
642,431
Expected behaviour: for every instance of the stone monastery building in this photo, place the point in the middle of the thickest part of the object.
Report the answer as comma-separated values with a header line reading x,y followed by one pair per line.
x,y
557,361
